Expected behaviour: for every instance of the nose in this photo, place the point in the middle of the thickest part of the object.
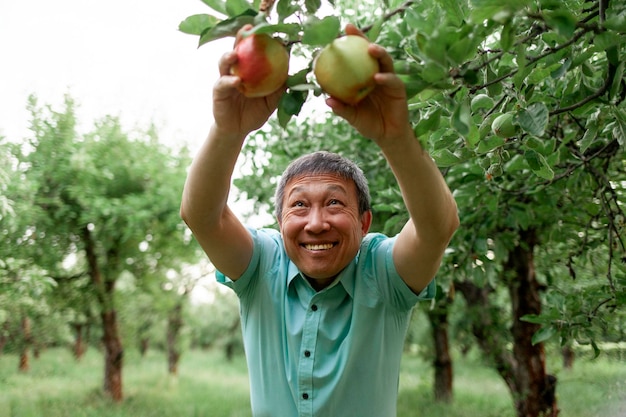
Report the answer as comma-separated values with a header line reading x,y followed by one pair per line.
x,y
317,221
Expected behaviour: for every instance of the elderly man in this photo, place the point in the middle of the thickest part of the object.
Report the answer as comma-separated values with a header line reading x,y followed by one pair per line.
x,y
324,303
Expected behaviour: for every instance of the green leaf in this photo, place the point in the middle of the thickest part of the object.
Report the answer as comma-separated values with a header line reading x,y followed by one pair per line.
x,y
434,47
617,81
489,143
496,88
445,158
236,7
507,36
433,73
286,8
298,78
532,157
498,10
562,20
619,130
589,137
522,70
312,6
538,164
535,318
616,22
320,32
544,334
217,5
227,27
429,123
533,119
462,118
290,105
462,49
606,41
198,23
561,69
453,11
373,33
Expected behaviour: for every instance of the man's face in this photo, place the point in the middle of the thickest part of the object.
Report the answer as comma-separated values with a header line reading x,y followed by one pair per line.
x,y
321,225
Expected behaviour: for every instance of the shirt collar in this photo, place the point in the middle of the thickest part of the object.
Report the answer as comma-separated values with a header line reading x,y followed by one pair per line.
x,y
346,278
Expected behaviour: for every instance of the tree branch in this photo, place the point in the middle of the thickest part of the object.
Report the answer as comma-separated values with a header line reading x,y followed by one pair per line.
x,y
402,8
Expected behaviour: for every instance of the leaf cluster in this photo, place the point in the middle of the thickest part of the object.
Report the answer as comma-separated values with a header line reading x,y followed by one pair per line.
x,y
558,69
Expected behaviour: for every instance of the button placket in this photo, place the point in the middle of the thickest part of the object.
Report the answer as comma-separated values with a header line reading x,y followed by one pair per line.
x,y
306,361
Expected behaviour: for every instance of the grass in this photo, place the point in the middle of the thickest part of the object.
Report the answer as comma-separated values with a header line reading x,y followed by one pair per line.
x,y
209,386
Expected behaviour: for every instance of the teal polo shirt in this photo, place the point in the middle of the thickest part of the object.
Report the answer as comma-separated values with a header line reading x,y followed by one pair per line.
x,y
332,353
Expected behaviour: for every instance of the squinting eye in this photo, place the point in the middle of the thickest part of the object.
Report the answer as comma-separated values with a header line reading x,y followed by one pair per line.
x,y
333,202
298,204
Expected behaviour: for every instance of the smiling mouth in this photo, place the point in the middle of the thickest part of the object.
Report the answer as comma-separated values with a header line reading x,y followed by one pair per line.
x,y
319,247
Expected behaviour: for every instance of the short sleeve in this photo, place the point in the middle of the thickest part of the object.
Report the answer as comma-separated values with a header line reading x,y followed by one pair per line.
x,y
263,241
392,288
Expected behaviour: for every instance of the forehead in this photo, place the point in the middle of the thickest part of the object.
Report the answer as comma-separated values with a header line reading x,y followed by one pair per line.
x,y
326,182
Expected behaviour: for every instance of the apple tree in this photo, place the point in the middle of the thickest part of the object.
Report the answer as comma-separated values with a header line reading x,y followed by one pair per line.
x,y
25,310
521,104
109,201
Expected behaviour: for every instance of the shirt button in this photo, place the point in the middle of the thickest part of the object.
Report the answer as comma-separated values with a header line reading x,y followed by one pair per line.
x,y
305,396
314,307
307,353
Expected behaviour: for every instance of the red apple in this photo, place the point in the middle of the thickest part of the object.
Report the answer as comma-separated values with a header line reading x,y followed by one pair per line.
x,y
345,69
262,64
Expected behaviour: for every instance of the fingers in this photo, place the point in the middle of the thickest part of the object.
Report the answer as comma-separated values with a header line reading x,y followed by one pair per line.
x,y
384,59
341,109
353,30
225,86
226,62
391,82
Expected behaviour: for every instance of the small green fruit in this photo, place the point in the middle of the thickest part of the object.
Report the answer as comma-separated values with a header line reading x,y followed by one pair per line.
x,y
485,127
503,125
481,102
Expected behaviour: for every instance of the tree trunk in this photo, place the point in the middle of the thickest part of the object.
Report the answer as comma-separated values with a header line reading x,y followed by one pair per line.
x,y
485,326
568,356
24,364
113,356
144,344
229,347
534,393
174,324
113,352
523,370
4,338
79,341
443,361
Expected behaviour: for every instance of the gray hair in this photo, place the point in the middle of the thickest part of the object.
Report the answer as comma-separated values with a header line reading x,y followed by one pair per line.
x,y
323,162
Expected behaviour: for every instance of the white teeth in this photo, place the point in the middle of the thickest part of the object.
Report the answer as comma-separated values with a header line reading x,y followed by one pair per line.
x,y
319,247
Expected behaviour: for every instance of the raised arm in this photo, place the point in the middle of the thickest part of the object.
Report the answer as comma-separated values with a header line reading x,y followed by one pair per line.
x,y
383,117
204,204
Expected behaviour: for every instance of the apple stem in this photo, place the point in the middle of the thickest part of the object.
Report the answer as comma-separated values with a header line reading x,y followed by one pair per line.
x,y
266,6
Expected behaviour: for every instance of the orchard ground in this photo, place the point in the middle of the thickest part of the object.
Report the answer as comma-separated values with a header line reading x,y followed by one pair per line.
x,y
208,385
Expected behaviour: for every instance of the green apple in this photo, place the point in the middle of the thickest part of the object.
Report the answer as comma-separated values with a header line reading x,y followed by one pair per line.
x,y
345,69
503,125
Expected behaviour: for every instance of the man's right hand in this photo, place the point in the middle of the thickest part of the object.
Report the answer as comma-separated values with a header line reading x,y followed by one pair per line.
x,y
233,112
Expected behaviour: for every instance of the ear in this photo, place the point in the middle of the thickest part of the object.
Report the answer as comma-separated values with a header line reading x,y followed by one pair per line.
x,y
366,221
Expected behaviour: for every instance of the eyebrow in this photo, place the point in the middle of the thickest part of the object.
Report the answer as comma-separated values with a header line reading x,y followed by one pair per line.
x,y
331,188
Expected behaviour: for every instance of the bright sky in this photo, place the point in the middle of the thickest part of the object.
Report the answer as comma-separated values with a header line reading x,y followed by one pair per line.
x,y
119,57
